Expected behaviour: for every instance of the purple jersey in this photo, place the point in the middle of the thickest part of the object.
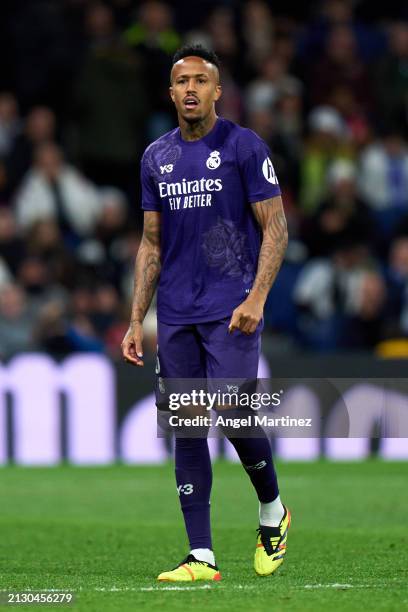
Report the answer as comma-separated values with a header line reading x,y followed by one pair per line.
x,y
210,238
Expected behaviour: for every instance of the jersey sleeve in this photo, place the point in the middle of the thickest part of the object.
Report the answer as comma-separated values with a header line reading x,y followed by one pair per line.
x,y
256,169
150,195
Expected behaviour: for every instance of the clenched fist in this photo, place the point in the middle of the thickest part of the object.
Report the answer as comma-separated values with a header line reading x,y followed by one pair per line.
x,y
246,316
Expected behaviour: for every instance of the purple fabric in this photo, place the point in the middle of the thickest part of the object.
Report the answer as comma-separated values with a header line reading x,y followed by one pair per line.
x,y
210,238
207,350
256,457
194,480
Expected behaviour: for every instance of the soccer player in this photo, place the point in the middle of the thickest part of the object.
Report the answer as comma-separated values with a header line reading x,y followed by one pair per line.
x,y
214,237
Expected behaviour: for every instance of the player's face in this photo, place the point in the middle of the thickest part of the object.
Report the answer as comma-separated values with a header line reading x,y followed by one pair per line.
x,y
194,88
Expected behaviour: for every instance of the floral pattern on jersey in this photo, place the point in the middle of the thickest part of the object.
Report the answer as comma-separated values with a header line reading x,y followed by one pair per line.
x,y
225,248
162,153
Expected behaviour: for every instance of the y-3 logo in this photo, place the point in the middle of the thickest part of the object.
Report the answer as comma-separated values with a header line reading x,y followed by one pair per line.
x,y
166,168
187,489
257,466
232,388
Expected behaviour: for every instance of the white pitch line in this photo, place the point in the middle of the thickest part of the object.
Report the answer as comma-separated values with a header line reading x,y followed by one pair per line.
x,y
336,585
156,588
39,590
328,586
176,588
232,587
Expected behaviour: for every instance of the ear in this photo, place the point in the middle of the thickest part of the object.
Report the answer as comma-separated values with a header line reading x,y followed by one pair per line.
x,y
171,93
218,92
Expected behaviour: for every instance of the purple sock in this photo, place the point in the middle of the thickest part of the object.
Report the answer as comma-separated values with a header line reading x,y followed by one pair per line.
x,y
194,480
256,457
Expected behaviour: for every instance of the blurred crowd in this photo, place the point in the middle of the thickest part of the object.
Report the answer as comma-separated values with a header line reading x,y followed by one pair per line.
x,y
83,90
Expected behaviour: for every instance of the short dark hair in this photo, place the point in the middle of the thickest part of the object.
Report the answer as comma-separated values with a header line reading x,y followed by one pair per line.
x,y
196,51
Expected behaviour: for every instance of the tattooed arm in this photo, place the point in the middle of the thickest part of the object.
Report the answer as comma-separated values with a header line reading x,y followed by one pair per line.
x,y
147,270
271,218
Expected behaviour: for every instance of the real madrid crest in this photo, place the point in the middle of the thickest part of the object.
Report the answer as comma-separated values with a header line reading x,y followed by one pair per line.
x,y
213,161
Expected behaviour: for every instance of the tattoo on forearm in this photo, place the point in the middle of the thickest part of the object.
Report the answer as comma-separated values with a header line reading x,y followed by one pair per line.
x,y
147,267
271,217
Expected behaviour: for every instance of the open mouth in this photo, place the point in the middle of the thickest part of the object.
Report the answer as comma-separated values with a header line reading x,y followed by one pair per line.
x,y
190,102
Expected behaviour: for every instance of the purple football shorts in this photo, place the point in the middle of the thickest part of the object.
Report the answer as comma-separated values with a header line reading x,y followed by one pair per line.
x,y
205,351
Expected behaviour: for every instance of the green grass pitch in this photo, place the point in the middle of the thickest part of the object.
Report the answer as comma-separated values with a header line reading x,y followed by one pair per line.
x,y
105,533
